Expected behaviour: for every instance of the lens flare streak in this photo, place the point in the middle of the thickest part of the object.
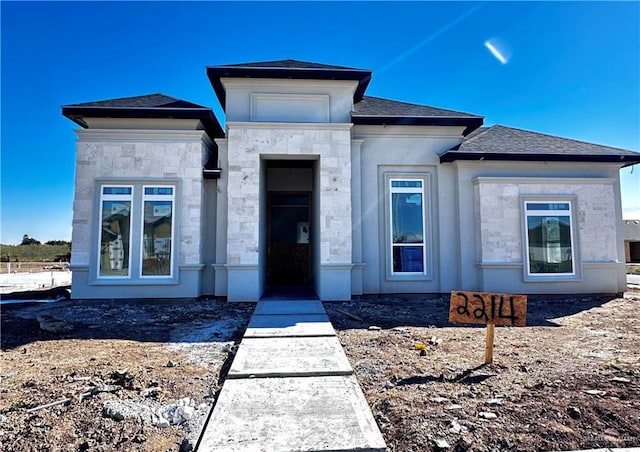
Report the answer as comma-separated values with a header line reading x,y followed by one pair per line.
x,y
495,52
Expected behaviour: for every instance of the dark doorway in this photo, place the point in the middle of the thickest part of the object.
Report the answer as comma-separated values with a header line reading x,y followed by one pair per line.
x,y
634,252
288,238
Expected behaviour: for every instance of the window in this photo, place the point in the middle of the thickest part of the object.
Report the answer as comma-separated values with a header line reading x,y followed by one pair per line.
x,y
115,222
157,231
407,220
137,227
550,246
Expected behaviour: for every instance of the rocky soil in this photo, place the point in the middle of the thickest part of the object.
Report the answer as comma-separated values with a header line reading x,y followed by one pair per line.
x,y
143,376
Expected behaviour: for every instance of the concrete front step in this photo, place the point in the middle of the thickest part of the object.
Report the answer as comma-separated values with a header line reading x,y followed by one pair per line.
x,y
289,325
289,414
289,356
289,307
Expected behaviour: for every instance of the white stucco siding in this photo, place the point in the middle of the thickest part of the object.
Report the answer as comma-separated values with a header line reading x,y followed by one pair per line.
x,y
499,214
289,101
412,151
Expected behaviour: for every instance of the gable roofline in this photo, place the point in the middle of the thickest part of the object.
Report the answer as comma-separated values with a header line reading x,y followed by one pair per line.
x,y
379,111
511,144
287,69
152,106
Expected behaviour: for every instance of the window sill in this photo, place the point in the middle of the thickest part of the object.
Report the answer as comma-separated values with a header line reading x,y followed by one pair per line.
x,y
546,278
410,277
134,282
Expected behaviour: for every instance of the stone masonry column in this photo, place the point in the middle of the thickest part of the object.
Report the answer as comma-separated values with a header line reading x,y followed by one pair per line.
x,y
335,233
330,145
243,194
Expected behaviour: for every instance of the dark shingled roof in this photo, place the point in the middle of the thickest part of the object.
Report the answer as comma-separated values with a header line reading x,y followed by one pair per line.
x,y
291,64
375,110
287,69
506,143
377,106
148,106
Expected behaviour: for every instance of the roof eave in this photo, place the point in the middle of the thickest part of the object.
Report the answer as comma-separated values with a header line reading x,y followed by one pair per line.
x,y
216,73
205,115
452,155
470,123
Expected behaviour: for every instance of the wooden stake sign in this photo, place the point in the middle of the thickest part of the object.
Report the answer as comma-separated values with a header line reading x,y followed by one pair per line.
x,y
489,308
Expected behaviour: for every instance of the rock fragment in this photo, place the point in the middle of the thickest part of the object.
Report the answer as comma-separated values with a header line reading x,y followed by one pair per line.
x,y
487,415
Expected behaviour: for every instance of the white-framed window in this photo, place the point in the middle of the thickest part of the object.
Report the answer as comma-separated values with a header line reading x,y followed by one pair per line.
x,y
408,253
550,238
157,231
136,240
114,256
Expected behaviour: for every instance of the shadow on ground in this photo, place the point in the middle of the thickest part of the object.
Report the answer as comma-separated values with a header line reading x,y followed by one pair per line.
x,y
168,320
427,310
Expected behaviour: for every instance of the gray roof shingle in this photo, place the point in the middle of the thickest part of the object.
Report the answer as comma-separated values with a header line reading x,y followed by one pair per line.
x,y
147,106
290,64
378,111
507,143
157,100
377,106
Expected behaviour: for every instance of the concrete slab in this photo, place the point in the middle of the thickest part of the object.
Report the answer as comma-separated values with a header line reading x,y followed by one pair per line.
x,y
289,325
289,307
289,356
291,414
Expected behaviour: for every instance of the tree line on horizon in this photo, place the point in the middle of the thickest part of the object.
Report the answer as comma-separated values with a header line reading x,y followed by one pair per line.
x,y
31,249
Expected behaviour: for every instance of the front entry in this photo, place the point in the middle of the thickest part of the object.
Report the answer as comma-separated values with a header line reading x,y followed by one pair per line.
x,y
289,238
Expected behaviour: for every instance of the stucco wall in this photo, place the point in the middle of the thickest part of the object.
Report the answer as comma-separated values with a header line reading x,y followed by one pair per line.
x,y
412,151
289,101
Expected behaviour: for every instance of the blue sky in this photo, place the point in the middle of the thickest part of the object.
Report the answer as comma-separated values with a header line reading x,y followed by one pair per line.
x,y
573,70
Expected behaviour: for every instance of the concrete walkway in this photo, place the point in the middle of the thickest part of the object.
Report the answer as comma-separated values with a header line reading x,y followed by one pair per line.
x,y
291,388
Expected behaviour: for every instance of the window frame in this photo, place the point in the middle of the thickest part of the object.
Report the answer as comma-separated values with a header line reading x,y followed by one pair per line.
x,y
427,248
137,199
157,197
571,212
114,197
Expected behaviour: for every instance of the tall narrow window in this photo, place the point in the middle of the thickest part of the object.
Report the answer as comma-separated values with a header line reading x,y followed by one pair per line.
x,y
115,231
157,233
550,244
407,226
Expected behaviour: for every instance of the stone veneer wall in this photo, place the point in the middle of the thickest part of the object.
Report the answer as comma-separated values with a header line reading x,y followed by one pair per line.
x,y
248,144
152,155
332,147
499,216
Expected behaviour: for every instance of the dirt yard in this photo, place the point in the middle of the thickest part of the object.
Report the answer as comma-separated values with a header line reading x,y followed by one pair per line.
x,y
142,376
131,376
569,380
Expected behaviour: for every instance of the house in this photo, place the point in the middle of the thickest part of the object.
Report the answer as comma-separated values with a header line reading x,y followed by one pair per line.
x,y
632,241
314,184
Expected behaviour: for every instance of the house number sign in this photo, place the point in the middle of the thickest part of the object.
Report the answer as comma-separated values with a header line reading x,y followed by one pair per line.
x,y
490,309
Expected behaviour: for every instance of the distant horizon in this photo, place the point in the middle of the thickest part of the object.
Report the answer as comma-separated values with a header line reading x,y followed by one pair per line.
x,y
569,69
